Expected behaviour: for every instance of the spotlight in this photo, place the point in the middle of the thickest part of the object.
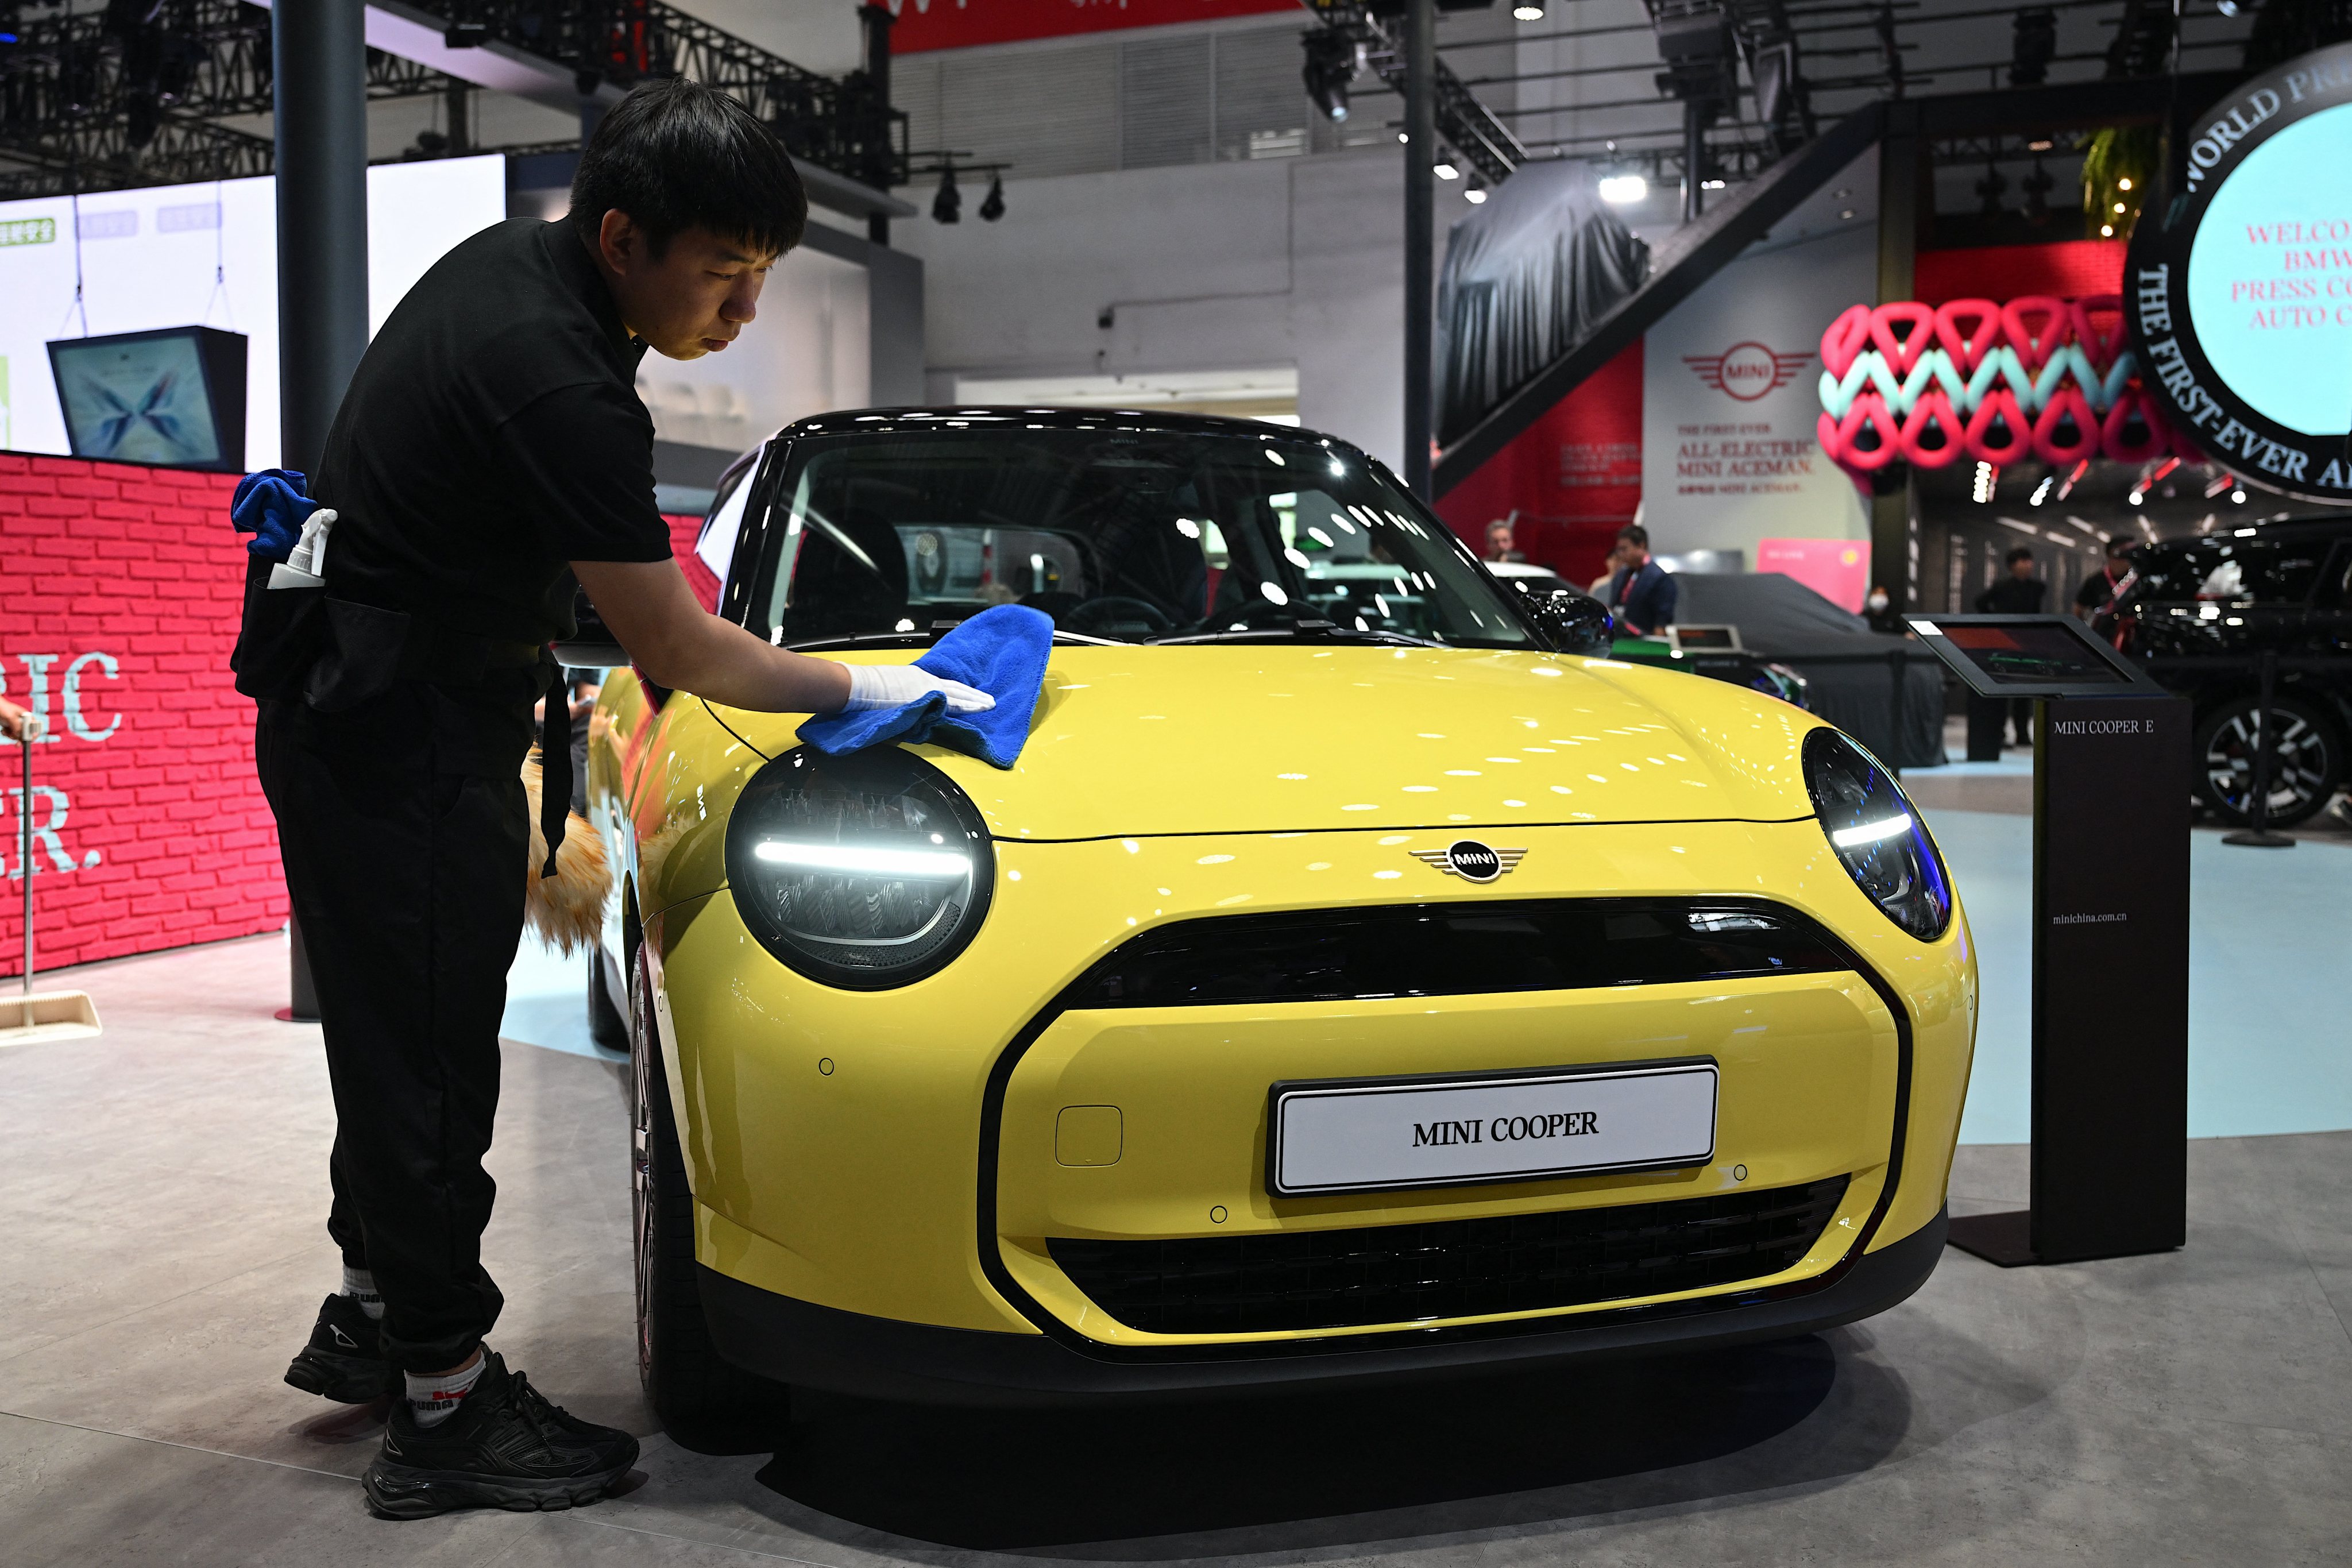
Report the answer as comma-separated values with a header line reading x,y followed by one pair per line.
x,y
1332,60
2123,185
2032,43
2041,490
2037,186
1989,188
1622,190
1531,11
1446,172
2106,231
1474,193
2239,497
948,205
992,207
1988,477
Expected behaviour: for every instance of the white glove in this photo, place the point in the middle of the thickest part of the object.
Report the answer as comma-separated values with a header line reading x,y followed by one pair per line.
x,y
893,685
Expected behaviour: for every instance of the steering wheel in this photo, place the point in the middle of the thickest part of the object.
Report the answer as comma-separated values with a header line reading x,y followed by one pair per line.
x,y
1119,610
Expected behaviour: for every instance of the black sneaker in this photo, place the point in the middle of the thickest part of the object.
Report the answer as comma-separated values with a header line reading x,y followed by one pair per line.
x,y
344,1360
505,1446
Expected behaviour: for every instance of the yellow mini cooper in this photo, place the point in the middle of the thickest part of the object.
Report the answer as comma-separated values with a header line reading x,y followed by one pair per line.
x,y
1351,978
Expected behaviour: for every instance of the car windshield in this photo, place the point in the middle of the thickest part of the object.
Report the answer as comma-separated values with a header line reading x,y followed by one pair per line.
x,y
1118,534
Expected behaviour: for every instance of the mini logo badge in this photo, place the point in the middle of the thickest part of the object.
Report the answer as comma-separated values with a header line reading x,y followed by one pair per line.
x,y
1747,370
1471,860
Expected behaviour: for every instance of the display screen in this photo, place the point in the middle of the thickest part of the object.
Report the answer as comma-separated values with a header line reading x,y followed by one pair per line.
x,y
2270,278
144,401
2033,653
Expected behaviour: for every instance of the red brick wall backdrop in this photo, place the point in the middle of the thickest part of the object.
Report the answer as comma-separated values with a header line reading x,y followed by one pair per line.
x,y
120,592
120,588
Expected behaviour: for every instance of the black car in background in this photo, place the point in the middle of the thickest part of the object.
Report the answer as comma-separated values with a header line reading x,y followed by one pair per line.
x,y
2201,610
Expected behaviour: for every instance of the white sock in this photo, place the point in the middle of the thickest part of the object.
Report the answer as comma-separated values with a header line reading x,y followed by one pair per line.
x,y
360,1285
433,1400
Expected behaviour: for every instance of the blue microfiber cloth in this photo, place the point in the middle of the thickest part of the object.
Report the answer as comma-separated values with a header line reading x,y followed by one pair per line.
x,y
1002,651
272,505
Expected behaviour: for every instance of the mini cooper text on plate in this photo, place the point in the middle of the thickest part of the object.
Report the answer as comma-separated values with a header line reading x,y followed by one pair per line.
x,y
1354,977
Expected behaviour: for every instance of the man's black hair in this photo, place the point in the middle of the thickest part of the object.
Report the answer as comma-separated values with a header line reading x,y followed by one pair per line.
x,y
2016,555
1637,534
2121,544
676,155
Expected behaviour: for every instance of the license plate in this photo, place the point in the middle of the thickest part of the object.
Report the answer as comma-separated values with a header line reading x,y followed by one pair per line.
x,y
1364,1135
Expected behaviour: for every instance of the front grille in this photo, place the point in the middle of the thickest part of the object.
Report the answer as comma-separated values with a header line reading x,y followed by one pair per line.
x,y
1448,1269
1474,946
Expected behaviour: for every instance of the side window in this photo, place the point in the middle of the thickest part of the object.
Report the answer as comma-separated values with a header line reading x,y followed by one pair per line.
x,y
714,546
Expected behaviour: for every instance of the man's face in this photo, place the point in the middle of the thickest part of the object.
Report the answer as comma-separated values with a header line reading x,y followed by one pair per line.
x,y
1627,554
692,298
2021,570
1498,541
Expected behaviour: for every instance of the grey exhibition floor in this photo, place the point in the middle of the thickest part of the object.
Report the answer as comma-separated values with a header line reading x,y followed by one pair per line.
x,y
161,1254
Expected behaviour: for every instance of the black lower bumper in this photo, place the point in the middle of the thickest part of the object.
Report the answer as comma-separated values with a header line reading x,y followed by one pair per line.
x,y
798,1342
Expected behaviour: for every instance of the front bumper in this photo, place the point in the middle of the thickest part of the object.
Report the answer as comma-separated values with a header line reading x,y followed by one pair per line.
x,y
810,1346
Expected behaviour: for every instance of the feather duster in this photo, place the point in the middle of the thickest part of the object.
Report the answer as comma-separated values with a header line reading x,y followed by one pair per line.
x,y
566,909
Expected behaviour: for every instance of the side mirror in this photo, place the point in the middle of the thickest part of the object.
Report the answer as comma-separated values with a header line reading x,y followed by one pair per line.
x,y
591,645
1571,622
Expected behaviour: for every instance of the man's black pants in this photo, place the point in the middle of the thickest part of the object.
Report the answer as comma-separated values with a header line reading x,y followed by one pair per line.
x,y
404,859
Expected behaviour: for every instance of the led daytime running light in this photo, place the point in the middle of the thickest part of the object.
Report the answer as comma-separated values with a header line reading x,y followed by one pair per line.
x,y
1872,832
934,865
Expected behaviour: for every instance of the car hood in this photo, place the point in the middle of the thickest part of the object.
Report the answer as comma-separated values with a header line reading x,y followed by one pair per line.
x,y
1193,739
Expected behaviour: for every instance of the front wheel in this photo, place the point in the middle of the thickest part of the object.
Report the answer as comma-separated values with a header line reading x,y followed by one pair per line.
x,y
2306,762
685,1379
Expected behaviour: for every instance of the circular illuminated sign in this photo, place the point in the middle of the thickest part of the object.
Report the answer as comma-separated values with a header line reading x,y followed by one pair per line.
x,y
2239,291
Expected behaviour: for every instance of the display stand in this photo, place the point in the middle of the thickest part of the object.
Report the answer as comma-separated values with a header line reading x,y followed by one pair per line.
x,y
2110,1031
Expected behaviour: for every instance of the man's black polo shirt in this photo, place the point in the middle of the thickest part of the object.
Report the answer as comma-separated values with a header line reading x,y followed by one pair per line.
x,y
491,434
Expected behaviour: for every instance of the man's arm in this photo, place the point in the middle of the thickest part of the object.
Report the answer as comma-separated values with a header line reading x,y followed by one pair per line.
x,y
680,644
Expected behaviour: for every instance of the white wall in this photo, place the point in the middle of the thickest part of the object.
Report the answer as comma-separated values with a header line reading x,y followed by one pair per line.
x,y
207,255
1722,472
1204,267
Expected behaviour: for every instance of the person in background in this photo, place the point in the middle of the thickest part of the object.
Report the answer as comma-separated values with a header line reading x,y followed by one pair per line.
x,y
2094,601
1502,542
584,686
1878,609
2020,593
1641,593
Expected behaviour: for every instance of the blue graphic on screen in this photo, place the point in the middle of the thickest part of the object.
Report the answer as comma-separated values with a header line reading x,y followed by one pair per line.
x,y
2270,277
143,402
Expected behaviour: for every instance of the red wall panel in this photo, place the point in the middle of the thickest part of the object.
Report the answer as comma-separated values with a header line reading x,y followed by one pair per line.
x,y
1574,476
123,587
2068,269
958,24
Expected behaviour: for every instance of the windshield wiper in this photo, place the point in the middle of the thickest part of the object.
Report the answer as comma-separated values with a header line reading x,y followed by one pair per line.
x,y
1300,629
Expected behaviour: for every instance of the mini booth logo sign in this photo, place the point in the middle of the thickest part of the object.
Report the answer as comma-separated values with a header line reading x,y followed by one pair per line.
x,y
1747,370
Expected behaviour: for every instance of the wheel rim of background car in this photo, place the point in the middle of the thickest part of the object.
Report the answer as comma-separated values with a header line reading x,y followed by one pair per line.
x,y
2299,763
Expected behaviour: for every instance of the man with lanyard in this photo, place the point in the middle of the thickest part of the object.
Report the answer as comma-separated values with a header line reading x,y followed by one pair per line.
x,y
2094,601
491,446
1641,593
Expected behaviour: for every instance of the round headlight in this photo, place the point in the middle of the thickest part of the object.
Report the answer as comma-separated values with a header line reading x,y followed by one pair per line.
x,y
865,871
1878,835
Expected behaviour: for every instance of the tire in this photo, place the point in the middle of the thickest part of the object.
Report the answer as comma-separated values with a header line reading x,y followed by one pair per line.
x,y
2306,761
686,1380
605,1024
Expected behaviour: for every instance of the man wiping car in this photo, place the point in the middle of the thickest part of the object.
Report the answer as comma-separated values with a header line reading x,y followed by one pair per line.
x,y
490,449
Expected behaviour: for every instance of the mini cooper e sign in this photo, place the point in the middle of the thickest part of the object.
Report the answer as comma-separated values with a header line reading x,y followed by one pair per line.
x,y
1471,860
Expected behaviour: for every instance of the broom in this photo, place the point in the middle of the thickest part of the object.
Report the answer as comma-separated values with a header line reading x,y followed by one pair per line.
x,y
45,1014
